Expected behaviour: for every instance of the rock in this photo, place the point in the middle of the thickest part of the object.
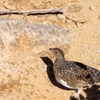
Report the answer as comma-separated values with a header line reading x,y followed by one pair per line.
x,y
61,17
92,7
69,21
79,25
98,16
75,8
18,36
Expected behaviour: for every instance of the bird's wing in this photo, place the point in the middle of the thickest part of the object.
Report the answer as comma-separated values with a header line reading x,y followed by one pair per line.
x,y
83,72
78,72
95,74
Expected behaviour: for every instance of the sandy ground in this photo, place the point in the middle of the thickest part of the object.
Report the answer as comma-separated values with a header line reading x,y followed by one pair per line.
x,y
83,19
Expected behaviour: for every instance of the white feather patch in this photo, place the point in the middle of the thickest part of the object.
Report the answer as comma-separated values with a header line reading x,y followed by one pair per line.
x,y
64,84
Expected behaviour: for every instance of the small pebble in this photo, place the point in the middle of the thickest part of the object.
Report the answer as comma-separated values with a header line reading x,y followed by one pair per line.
x,y
92,7
61,17
68,21
98,16
64,94
79,25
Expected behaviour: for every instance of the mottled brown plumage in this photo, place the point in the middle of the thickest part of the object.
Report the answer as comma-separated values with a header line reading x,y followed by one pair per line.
x,y
73,75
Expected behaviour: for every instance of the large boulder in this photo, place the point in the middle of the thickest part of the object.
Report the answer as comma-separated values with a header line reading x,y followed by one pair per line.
x,y
18,36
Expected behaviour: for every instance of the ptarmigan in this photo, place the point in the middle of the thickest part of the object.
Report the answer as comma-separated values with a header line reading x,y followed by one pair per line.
x,y
73,75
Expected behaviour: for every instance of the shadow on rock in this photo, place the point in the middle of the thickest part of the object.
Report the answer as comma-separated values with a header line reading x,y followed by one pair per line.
x,y
93,93
50,72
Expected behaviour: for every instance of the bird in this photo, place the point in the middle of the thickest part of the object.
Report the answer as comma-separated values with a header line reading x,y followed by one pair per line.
x,y
73,75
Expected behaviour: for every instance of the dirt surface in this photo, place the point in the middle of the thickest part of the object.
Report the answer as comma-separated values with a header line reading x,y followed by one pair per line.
x,y
83,19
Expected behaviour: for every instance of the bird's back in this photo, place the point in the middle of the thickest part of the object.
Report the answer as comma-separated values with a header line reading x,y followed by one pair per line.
x,y
75,74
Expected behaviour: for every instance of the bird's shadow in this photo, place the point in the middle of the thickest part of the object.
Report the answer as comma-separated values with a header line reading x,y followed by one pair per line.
x,y
50,72
92,93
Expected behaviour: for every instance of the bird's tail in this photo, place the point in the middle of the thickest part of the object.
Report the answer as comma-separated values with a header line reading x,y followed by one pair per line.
x,y
95,74
99,77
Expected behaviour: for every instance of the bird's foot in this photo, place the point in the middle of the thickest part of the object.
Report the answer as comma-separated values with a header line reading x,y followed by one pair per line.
x,y
73,98
77,93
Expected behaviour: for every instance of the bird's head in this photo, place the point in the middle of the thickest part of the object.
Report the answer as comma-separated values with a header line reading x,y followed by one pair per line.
x,y
58,53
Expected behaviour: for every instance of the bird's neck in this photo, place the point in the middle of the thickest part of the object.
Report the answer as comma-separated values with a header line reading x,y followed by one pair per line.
x,y
58,64
60,60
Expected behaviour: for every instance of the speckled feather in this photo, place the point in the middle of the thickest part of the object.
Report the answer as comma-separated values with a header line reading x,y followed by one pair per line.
x,y
75,74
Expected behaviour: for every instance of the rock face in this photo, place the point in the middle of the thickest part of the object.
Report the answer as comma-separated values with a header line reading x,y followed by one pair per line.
x,y
18,36
21,68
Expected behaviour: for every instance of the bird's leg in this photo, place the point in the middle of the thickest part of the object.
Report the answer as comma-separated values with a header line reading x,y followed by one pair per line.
x,y
78,92
75,92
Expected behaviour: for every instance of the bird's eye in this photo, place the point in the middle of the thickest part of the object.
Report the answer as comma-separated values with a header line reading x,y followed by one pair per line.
x,y
56,52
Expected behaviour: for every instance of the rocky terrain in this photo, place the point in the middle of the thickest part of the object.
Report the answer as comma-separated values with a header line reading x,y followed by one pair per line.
x,y
25,59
